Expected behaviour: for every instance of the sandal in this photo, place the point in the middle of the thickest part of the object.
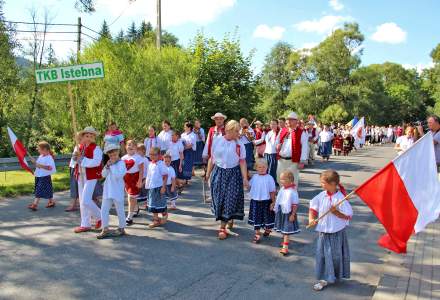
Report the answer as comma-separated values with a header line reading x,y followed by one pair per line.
x,y
320,285
267,232
104,234
284,249
164,218
256,239
33,207
222,234
156,223
50,204
71,209
230,224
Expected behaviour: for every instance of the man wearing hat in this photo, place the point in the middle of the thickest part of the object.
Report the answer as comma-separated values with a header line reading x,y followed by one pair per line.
x,y
214,132
88,171
292,147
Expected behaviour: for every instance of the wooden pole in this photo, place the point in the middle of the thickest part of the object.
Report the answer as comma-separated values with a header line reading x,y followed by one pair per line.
x,y
329,211
159,26
72,109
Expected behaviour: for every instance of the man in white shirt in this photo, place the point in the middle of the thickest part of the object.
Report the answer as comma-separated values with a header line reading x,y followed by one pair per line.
x,y
434,126
292,146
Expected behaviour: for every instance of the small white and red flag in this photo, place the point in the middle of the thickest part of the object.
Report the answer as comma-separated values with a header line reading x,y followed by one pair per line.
x,y
405,194
19,150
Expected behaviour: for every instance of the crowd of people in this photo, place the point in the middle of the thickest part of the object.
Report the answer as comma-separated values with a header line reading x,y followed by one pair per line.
x,y
264,159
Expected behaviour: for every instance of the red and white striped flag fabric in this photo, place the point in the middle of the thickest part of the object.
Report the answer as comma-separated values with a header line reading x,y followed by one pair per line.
x,y
19,150
405,194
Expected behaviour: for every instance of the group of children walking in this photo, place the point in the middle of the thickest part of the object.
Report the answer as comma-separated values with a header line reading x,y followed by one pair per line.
x,y
152,175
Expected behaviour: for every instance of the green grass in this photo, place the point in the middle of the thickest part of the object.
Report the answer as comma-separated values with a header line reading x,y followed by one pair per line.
x,y
16,183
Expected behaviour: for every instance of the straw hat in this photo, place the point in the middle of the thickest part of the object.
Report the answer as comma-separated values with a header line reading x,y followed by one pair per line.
x,y
258,123
293,116
218,115
110,147
88,129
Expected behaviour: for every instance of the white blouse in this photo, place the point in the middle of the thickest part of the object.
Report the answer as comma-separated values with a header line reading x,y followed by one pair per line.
x,y
227,154
150,143
271,142
201,136
285,199
189,138
171,175
114,186
174,149
132,162
146,162
261,187
330,223
325,136
404,143
154,176
46,160
164,139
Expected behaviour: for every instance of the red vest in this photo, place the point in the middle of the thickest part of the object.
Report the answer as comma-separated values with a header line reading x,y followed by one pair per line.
x,y
211,136
95,172
296,143
258,135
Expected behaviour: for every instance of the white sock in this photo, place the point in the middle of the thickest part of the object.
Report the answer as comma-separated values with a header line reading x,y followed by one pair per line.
x,y
173,203
130,215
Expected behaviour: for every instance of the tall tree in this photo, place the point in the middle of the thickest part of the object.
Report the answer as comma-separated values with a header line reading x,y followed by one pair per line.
x,y
144,29
105,31
51,57
132,33
120,37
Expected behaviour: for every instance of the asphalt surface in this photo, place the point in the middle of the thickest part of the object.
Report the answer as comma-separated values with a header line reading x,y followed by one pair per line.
x,y
41,257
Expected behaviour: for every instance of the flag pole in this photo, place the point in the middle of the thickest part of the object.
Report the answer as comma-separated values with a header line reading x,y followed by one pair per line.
x,y
329,211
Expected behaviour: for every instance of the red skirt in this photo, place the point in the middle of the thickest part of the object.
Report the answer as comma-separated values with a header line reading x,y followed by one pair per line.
x,y
131,180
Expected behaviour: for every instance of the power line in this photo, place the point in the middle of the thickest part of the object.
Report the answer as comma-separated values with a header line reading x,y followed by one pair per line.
x,y
37,23
41,31
91,29
122,12
93,38
31,40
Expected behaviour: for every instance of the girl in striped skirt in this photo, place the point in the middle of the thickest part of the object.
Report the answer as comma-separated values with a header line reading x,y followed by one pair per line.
x,y
229,174
332,251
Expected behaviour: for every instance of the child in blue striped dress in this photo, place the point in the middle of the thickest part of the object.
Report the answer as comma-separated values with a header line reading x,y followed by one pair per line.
x,y
332,251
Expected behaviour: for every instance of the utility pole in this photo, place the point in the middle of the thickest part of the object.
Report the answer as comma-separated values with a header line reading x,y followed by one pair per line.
x,y
69,85
78,42
159,26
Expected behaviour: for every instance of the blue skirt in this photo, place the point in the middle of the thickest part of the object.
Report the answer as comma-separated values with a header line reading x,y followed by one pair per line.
x,y
272,164
325,149
188,162
332,256
227,194
73,184
198,159
157,203
283,225
260,214
175,164
171,196
143,194
250,159
43,187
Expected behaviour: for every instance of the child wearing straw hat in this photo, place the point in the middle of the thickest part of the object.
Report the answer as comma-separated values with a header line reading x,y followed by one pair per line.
x,y
113,172
88,170
332,252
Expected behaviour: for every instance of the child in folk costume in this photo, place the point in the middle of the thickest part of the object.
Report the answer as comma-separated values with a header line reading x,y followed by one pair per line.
x,y
325,143
247,136
88,171
133,178
285,207
151,141
175,150
171,193
270,151
164,137
113,136
332,251
260,141
189,141
44,168
156,184
262,192
338,143
229,175
143,193
200,143
113,172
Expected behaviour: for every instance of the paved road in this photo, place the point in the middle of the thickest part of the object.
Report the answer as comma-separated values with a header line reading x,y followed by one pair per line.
x,y
41,258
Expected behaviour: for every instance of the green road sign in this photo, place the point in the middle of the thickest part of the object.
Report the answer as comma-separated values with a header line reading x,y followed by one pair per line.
x,y
70,73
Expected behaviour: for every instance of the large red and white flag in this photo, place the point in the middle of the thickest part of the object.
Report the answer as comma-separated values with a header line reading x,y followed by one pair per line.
x,y
358,132
19,150
405,194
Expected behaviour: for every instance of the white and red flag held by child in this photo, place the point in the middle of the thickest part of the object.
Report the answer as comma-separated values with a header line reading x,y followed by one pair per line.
x,y
358,132
19,150
405,194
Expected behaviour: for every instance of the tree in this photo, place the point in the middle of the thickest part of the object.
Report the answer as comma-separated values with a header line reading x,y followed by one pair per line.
x,y
334,113
8,78
276,79
144,29
105,31
51,57
120,37
132,33
224,80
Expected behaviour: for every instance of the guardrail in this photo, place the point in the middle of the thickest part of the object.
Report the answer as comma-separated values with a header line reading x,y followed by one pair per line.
x,y
11,163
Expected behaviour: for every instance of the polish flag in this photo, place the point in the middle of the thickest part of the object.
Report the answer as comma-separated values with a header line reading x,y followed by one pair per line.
x,y
19,150
405,194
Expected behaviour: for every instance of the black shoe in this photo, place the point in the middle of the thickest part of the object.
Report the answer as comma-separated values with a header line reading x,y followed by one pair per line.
x,y
136,214
129,222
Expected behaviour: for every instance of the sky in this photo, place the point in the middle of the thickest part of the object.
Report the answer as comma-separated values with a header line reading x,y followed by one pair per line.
x,y
402,31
